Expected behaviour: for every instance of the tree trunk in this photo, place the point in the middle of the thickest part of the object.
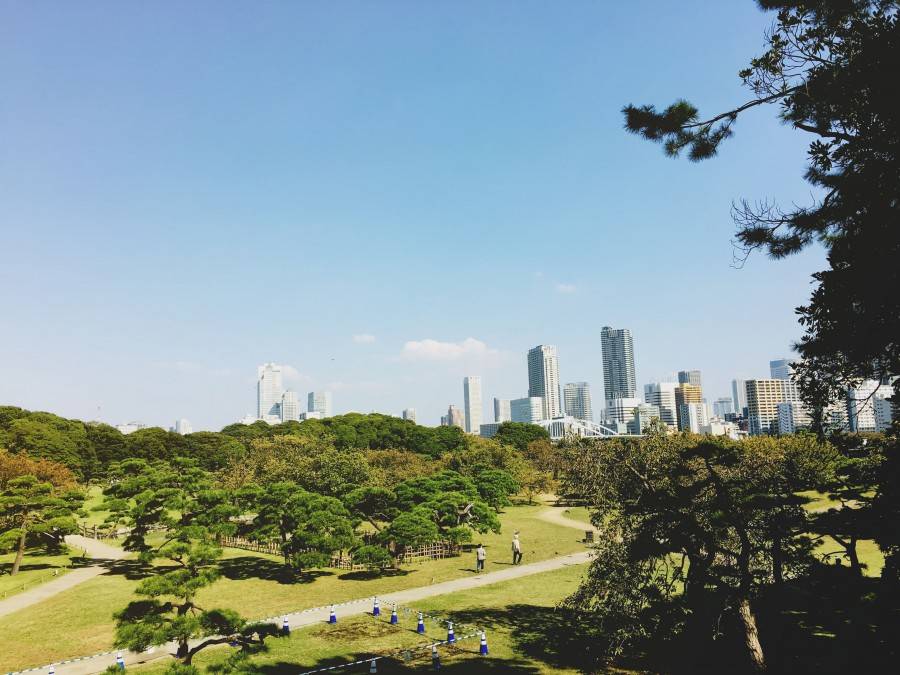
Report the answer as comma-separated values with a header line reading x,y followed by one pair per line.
x,y
854,557
184,653
777,560
20,553
751,635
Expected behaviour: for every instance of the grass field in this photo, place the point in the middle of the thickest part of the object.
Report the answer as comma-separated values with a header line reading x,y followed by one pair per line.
x,y
37,568
254,585
525,635
94,500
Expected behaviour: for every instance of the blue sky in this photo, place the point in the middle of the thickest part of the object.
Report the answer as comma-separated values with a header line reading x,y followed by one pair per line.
x,y
190,189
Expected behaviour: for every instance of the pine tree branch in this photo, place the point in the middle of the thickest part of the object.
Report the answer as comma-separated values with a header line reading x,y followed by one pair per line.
x,y
740,109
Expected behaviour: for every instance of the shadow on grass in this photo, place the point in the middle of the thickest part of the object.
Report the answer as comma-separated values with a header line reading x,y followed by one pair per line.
x,y
364,575
252,567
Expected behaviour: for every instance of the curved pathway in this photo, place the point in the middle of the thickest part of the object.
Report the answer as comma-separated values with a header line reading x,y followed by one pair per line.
x,y
99,552
557,516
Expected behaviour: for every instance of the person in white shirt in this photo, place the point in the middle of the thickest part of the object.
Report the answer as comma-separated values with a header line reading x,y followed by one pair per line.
x,y
516,549
480,555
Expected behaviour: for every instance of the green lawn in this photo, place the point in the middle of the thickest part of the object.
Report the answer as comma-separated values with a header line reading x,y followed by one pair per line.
x,y
254,585
94,500
580,513
37,568
525,634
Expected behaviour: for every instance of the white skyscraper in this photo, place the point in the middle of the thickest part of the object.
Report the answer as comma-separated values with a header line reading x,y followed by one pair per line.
x,y
621,409
409,414
472,403
320,402
722,406
662,395
290,407
268,392
529,410
577,400
501,410
543,379
183,427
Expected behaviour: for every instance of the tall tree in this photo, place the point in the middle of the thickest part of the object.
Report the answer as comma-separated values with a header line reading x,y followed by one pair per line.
x,y
827,69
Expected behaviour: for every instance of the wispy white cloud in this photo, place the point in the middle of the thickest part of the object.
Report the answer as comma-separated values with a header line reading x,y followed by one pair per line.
x,y
364,339
435,350
565,288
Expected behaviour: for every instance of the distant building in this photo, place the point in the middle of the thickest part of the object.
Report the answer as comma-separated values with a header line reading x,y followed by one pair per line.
x,y
763,397
472,403
183,427
454,418
311,415
130,427
320,402
720,428
268,391
739,396
577,400
792,417
409,414
489,429
662,395
723,406
502,412
862,408
781,369
689,377
618,363
529,409
884,414
643,413
543,379
290,407
692,417
687,394
620,410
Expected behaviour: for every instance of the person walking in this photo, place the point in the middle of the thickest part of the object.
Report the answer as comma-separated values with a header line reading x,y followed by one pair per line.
x,y
480,555
516,549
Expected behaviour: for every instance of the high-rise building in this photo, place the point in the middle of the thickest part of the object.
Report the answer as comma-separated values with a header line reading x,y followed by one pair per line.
x,y
455,417
543,379
409,414
489,430
687,394
620,410
692,417
290,407
472,403
861,405
183,427
577,400
792,416
739,396
662,395
781,369
763,397
689,377
320,402
501,410
618,362
529,410
884,414
268,392
643,413
722,406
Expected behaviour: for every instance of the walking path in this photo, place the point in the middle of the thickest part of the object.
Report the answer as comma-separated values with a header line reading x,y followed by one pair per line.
x,y
96,550
557,516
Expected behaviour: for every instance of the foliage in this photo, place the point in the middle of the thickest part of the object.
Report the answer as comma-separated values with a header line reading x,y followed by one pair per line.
x,y
412,528
376,505
451,501
694,522
392,466
29,506
827,67
520,434
375,558
495,486
45,470
886,508
309,526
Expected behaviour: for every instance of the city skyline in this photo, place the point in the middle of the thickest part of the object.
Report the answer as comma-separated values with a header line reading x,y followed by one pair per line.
x,y
157,258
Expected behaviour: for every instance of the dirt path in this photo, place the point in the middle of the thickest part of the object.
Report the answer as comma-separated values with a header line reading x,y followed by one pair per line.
x,y
557,516
98,663
96,550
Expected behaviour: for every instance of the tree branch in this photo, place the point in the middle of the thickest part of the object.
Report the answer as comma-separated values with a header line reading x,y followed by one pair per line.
x,y
740,109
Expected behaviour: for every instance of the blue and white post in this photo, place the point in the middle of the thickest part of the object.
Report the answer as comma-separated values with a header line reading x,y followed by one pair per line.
x,y
451,636
372,667
285,626
51,670
376,609
420,627
332,617
394,614
435,658
120,661
484,650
